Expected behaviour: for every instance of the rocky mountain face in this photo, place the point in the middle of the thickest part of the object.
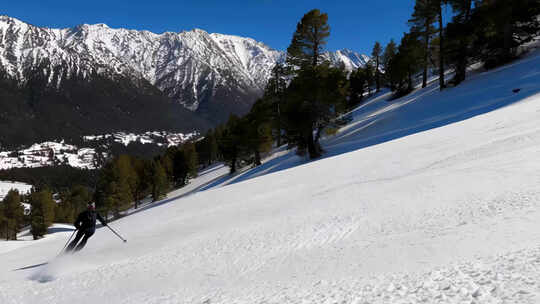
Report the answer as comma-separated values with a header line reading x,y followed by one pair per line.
x,y
91,69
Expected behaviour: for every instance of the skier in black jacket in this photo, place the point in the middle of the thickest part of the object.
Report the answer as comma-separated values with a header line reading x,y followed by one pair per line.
x,y
86,226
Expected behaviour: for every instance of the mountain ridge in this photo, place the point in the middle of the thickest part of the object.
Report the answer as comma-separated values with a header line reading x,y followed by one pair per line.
x,y
211,75
175,62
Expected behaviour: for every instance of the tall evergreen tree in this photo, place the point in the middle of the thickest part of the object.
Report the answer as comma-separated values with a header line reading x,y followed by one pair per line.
x,y
11,215
314,98
128,175
180,166
357,81
502,26
439,9
231,143
166,162
259,132
390,52
72,202
422,24
160,183
309,39
116,185
369,71
460,37
376,56
410,57
142,170
213,148
309,105
207,149
192,159
42,214
275,94
3,223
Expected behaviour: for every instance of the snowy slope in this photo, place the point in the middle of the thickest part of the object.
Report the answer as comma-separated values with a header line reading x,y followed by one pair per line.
x,y
192,67
448,215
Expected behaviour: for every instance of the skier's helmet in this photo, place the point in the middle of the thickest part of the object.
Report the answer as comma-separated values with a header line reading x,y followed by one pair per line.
x,y
92,206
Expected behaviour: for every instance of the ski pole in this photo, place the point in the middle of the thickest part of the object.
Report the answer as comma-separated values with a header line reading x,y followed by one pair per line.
x,y
118,235
67,242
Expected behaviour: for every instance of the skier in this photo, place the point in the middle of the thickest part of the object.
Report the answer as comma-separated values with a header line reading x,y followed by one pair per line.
x,y
86,226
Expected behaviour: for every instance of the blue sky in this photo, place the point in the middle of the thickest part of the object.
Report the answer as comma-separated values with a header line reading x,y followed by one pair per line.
x,y
354,24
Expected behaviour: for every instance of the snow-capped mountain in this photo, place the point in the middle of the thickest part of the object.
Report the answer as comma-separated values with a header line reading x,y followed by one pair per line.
x,y
192,67
351,60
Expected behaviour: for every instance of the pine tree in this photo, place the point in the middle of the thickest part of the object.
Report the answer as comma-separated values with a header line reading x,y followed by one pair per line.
x,y
72,202
3,223
422,24
258,137
439,6
390,52
411,52
309,106
314,97
142,169
11,215
160,183
376,56
103,189
42,214
128,178
180,166
357,86
207,149
166,162
460,37
274,93
369,71
192,159
502,26
231,143
309,39
116,186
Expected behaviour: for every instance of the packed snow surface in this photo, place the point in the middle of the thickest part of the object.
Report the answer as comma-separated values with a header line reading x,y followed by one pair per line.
x,y
431,198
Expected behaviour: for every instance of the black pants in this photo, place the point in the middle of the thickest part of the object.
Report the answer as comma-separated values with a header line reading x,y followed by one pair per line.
x,y
85,234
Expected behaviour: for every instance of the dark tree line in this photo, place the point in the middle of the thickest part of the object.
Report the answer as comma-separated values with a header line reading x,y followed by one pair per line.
x,y
305,95
127,180
486,31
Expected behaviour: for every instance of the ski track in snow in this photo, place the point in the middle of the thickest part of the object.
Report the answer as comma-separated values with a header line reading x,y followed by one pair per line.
x,y
448,215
